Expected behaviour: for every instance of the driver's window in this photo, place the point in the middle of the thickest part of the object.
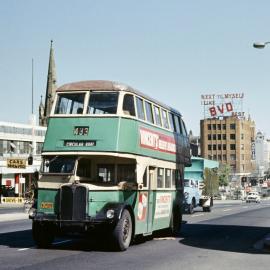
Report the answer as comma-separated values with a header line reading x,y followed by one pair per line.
x,y
84,168
106,173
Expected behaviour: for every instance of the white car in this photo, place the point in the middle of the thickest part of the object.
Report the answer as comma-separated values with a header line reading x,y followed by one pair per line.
x,y
253,197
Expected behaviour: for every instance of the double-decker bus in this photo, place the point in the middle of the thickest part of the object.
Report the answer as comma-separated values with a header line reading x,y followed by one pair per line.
x,y
113,160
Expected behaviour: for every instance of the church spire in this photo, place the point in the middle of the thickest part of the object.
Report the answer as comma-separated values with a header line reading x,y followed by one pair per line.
x,y
51,86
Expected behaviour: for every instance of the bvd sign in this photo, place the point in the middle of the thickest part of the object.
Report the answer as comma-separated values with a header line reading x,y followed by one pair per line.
x,y
221,109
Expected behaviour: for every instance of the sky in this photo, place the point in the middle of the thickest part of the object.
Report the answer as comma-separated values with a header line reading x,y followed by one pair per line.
x,y
173,51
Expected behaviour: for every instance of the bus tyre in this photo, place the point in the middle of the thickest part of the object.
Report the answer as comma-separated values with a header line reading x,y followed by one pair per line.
x,y
43,234
122,233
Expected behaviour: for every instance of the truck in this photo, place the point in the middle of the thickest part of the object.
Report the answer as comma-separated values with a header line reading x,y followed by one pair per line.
x,y
193,197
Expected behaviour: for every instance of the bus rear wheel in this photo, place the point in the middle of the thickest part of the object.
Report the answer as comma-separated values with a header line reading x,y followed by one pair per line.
x,y
122,233
43,234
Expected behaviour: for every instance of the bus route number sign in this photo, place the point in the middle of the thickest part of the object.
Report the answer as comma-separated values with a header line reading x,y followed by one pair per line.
x,y
81,131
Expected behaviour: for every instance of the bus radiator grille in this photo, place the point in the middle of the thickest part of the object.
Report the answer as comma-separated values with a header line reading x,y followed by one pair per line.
x,y
73,201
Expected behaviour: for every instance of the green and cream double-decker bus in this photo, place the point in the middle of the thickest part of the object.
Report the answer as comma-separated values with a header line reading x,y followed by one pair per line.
x,y
113,160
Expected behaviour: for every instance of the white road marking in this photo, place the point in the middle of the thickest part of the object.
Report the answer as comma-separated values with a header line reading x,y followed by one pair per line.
x,y
197,215
225,210
22,249
61,242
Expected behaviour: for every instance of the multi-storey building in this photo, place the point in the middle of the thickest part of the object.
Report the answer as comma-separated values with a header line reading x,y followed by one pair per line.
x,y
20,149
229,140
262,153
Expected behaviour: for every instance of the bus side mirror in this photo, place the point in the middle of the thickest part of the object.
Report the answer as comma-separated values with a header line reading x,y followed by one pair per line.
x,y
30,160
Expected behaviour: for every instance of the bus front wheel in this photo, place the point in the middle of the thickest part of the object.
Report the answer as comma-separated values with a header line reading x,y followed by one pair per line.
x,y
43,234
122,233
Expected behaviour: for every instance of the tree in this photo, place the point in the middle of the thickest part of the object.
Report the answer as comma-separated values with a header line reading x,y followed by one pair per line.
x,y
223,175
210,181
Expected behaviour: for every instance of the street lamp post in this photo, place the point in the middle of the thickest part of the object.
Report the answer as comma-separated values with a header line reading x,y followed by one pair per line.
x,y
260,45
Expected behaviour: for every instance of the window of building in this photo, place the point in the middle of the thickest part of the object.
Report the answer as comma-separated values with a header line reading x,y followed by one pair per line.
x,y
128,105
157,115
209,157
223,136
214,136
219,146
160,177
209,147
232,147
224,157
214,147
209,137
242,136
232,126
219,157
224,146
224,126
39,147
219,136
214,126
219,126
214,157
242,146
232,136
140,108
209,126
232,157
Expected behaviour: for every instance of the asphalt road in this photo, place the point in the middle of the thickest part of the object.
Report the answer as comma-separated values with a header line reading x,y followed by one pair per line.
x,y
230,237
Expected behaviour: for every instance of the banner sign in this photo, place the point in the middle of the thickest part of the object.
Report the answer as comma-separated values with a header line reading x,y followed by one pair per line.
x,y
223,104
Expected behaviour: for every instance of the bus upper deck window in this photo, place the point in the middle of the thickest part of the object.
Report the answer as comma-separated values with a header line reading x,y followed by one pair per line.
x,y
102,103
172,124
165,119
69,103
128,105
177,124
140,108
149,112
157,115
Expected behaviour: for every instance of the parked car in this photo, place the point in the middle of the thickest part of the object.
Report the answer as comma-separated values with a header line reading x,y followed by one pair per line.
x,y
253,196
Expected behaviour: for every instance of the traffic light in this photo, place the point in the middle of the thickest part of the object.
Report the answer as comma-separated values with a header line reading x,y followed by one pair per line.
x,y
30,160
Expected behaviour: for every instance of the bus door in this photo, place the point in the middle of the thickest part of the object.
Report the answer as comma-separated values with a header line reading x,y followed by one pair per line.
x,y
151,179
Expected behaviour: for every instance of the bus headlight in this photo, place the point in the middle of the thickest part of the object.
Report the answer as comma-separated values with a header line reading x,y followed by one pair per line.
x,y
110,213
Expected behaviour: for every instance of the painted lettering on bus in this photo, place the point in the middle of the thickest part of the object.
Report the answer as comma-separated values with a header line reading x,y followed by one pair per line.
x,y
157,141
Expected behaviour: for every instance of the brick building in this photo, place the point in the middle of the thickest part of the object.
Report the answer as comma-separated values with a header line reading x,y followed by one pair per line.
x,y
229,140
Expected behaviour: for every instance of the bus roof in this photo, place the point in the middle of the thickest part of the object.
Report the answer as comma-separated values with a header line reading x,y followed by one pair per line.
x,y
108,86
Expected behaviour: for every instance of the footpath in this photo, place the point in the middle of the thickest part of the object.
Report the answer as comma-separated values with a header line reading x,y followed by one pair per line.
x,y
17,212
